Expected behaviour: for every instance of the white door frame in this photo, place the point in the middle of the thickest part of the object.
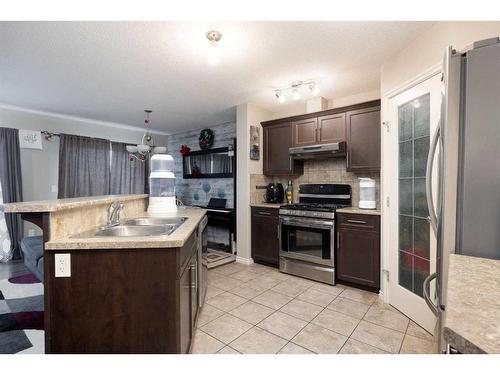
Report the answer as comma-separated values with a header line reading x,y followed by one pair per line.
x,y
384,179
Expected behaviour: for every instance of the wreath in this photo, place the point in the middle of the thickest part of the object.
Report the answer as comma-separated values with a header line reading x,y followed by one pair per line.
x,y
206,139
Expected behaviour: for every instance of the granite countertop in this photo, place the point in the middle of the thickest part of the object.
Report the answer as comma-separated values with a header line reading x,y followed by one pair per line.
x,y
267,205
66,204
176,239
472,318
356,210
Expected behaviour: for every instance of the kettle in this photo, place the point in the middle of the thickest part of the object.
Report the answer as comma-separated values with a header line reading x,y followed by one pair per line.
x,y
275,193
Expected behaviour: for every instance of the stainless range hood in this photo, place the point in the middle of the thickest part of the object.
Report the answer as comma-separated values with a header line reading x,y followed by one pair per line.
x,y
328,150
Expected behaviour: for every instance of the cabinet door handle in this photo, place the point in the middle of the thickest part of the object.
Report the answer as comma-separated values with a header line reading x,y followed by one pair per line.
x,y
319,129
290,158
264,213
278,232
338,240
356,221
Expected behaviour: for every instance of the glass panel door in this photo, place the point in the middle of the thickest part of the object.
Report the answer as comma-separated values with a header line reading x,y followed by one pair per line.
x,y
409,243
414,228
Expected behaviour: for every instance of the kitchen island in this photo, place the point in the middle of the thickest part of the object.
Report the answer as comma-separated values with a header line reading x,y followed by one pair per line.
x,y
122,294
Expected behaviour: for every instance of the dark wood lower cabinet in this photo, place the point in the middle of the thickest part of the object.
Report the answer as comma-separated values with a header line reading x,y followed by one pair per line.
x,y
358,250
265,242
123,300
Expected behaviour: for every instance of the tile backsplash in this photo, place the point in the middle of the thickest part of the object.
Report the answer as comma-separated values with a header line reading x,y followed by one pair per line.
x,y
316,172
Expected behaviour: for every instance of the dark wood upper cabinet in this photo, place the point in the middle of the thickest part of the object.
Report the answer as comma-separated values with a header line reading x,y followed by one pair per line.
x,y
265,242
358,125
358,250
305,132
277,160
363,139
331,128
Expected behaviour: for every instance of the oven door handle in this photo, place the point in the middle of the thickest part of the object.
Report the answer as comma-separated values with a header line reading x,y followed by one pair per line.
x,y
307,223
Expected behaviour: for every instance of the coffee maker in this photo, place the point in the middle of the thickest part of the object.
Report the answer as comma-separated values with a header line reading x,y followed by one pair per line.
x,y
275,193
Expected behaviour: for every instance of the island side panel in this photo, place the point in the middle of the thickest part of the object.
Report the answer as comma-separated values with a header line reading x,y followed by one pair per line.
x,y
116,301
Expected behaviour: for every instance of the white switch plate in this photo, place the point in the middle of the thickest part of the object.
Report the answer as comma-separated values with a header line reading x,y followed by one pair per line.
x,y
53,188
63,265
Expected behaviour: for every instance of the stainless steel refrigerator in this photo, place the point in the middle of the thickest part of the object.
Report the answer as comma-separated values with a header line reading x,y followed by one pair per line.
x,y
466,215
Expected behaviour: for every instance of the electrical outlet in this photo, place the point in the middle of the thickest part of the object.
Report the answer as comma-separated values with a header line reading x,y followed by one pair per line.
x,y
63,265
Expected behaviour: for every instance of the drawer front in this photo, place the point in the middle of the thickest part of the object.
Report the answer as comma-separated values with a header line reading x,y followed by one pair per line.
x,y
359,221
265,211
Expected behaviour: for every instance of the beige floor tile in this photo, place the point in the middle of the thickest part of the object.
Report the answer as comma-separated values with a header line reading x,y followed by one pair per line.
x,y
319,339
245,275
212,291
349,307
316,297
378,336
275,273
266,281
336,322
225,283
226,301
283,325
333,290
252,312
229,268
260,269
302,310
248,290
357,347
415,345
359,295
205,344
272,299
226,328
292,348
416,331
258,341
290,288
387,318
207,314
227,350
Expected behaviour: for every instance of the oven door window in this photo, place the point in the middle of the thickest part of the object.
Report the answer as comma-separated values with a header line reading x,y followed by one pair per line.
x,y
312,242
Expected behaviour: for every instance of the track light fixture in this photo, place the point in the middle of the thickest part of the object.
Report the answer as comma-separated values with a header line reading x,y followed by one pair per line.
x,y
296,90
281,98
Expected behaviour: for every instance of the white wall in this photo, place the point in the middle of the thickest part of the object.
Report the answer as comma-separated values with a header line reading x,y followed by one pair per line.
x,y
246,115
40,167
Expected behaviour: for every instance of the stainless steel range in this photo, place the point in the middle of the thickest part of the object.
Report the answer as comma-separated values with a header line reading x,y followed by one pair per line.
x,y
307,231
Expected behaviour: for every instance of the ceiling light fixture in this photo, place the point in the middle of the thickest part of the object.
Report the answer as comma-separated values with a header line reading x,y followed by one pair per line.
x,y
295,88
213,37
314,89
142,150
280,96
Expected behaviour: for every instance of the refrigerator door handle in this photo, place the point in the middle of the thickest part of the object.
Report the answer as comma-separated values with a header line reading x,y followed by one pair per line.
x,y
428,180
427,286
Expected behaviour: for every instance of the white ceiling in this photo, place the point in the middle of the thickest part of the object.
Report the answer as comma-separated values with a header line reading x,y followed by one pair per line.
x,y
111,71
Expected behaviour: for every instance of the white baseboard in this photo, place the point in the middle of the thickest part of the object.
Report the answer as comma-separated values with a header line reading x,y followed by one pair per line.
x,y
246,261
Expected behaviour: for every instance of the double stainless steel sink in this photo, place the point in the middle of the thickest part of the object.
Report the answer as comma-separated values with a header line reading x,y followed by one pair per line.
x,y
142,227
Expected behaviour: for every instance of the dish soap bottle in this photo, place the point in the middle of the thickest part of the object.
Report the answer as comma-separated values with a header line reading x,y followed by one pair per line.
x,y
289,192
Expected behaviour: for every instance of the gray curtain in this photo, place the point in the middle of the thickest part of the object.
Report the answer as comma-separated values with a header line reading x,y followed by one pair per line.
x,y
11,180
83,166
127,176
